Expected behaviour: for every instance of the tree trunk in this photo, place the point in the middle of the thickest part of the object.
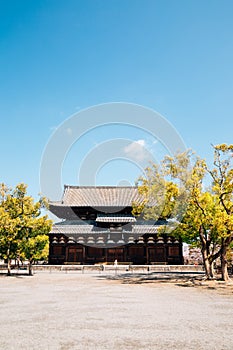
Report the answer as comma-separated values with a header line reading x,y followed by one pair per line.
x,y
225,276
212,269
207,265
30,269
8,267
208,269
8,261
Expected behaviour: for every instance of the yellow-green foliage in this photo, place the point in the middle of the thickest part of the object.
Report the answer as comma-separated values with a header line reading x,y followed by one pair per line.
x,y
200,197
23,231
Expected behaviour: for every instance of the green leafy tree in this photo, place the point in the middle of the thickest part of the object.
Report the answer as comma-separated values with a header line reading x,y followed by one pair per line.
x,y
205,216
222,186
209,216
9,225
200,227
23,231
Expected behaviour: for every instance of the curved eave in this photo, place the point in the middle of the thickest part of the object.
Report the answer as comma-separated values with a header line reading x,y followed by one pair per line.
x,y
64,211
60,210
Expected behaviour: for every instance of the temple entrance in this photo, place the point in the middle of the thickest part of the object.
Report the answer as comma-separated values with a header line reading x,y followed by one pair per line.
x,y
94,255
156,254
115,254
75,255
136,255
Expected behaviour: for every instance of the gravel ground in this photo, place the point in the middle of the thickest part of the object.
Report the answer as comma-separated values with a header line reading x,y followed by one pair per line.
x,y
97,311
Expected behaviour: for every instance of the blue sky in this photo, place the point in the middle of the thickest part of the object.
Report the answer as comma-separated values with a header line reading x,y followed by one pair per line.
x,y
58,57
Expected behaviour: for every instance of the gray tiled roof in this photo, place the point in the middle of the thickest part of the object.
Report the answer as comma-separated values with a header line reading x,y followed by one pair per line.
x,y
77,229
87,229
71,229
142,229
102,196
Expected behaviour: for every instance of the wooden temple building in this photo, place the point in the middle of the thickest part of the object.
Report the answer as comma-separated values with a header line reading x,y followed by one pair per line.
x,y
97,227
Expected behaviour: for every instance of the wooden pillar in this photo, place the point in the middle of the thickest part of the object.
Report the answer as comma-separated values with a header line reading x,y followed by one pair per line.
x,y
165,252
125,252
181,252
147,255
66,253
84,254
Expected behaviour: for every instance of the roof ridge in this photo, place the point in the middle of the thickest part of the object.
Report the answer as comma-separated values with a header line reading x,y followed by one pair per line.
x,y
106,186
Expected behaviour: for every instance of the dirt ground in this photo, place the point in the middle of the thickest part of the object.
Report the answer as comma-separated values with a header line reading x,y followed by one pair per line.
x,y
66,311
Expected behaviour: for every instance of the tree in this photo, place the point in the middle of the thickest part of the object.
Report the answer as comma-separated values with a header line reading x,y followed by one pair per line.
x,y
23,231
9,225
222,187
200,227
209,216
8,238
205,215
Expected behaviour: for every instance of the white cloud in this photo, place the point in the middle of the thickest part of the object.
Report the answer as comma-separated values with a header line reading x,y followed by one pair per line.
x,y
136,150
69,131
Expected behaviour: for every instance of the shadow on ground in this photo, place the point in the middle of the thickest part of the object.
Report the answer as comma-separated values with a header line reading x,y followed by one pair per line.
x,y
184,280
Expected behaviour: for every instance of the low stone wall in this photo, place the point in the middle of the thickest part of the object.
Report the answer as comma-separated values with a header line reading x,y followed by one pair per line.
x,y
119,268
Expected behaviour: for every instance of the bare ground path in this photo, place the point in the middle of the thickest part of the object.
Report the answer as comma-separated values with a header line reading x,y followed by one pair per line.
x,y
93,311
